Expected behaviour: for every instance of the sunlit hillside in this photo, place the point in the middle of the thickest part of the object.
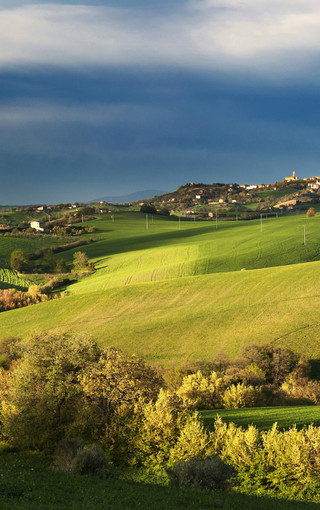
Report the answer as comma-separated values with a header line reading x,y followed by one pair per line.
x,y
167,292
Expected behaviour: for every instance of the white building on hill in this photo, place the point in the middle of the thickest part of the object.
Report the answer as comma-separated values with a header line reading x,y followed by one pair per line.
x,y
37,225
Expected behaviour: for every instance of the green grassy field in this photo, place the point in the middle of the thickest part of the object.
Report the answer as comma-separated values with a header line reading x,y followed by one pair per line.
x,y
166,293
264,417
27,482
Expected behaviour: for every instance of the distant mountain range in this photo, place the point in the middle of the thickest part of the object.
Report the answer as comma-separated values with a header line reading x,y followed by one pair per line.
x,y
132,197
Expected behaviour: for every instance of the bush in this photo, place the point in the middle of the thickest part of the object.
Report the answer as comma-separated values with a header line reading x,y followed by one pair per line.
x,y
34,291
72,455
286,463
302,390
208,473
10,351
173,377
311,212
155,435
249,375
275,362
61,266
11,299
90,461
66,452
53,284
201,392
239,395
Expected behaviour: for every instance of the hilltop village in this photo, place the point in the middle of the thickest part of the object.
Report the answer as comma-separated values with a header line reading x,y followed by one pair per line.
x,y
192,200
246,201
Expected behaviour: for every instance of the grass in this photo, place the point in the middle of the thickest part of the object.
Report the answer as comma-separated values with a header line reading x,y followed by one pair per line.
x,y
28,483
264,417
165,293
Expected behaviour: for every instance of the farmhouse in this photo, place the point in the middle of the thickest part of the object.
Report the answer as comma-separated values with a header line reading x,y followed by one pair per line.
x,y
37,225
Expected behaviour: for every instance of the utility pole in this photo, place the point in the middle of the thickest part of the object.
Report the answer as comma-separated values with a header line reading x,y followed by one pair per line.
x,y
179,223
147,226
216,220
261,221
304,234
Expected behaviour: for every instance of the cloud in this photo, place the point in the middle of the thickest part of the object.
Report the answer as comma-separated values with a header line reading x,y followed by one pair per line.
x,y
254,36
22,114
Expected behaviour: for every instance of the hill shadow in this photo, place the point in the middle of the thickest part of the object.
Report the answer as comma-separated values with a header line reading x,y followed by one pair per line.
x,y
315,368
145,241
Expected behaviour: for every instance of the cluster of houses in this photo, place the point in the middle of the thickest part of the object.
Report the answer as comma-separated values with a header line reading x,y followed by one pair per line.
x,y
191,195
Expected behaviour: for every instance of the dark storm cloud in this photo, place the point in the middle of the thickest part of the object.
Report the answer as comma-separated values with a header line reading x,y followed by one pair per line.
x,y
106,98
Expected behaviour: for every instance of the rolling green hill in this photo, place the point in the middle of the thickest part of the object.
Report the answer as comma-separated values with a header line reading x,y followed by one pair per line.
x,y
265,417
166,293
8,244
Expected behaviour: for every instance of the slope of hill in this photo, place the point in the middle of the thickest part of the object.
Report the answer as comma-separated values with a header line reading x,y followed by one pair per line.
x,y
166,293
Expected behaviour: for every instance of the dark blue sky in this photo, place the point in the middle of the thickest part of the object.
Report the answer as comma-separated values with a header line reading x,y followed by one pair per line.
x,y
108,100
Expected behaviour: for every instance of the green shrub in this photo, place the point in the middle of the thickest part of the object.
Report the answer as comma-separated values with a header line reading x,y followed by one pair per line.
x,y
90,461
61,266
239,395
72,455
208,473
200,392
303,390
155,435
286,463
275,362
66,452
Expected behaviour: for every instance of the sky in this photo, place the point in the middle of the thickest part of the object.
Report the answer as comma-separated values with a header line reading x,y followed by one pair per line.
x,y
111,97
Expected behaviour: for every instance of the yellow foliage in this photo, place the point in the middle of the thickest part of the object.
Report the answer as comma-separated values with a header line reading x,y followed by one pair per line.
x,y
199,391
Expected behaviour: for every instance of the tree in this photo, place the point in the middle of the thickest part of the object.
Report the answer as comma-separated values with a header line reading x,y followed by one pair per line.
x,y
43,396
164,211
119,380
86,211
18,260
148,209
48,260
275,362
80,260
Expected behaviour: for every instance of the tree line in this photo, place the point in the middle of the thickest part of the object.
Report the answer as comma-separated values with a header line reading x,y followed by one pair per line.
x,y
57,387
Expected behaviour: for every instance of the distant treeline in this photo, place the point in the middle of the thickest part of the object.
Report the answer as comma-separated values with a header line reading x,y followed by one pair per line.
x,y
59,249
